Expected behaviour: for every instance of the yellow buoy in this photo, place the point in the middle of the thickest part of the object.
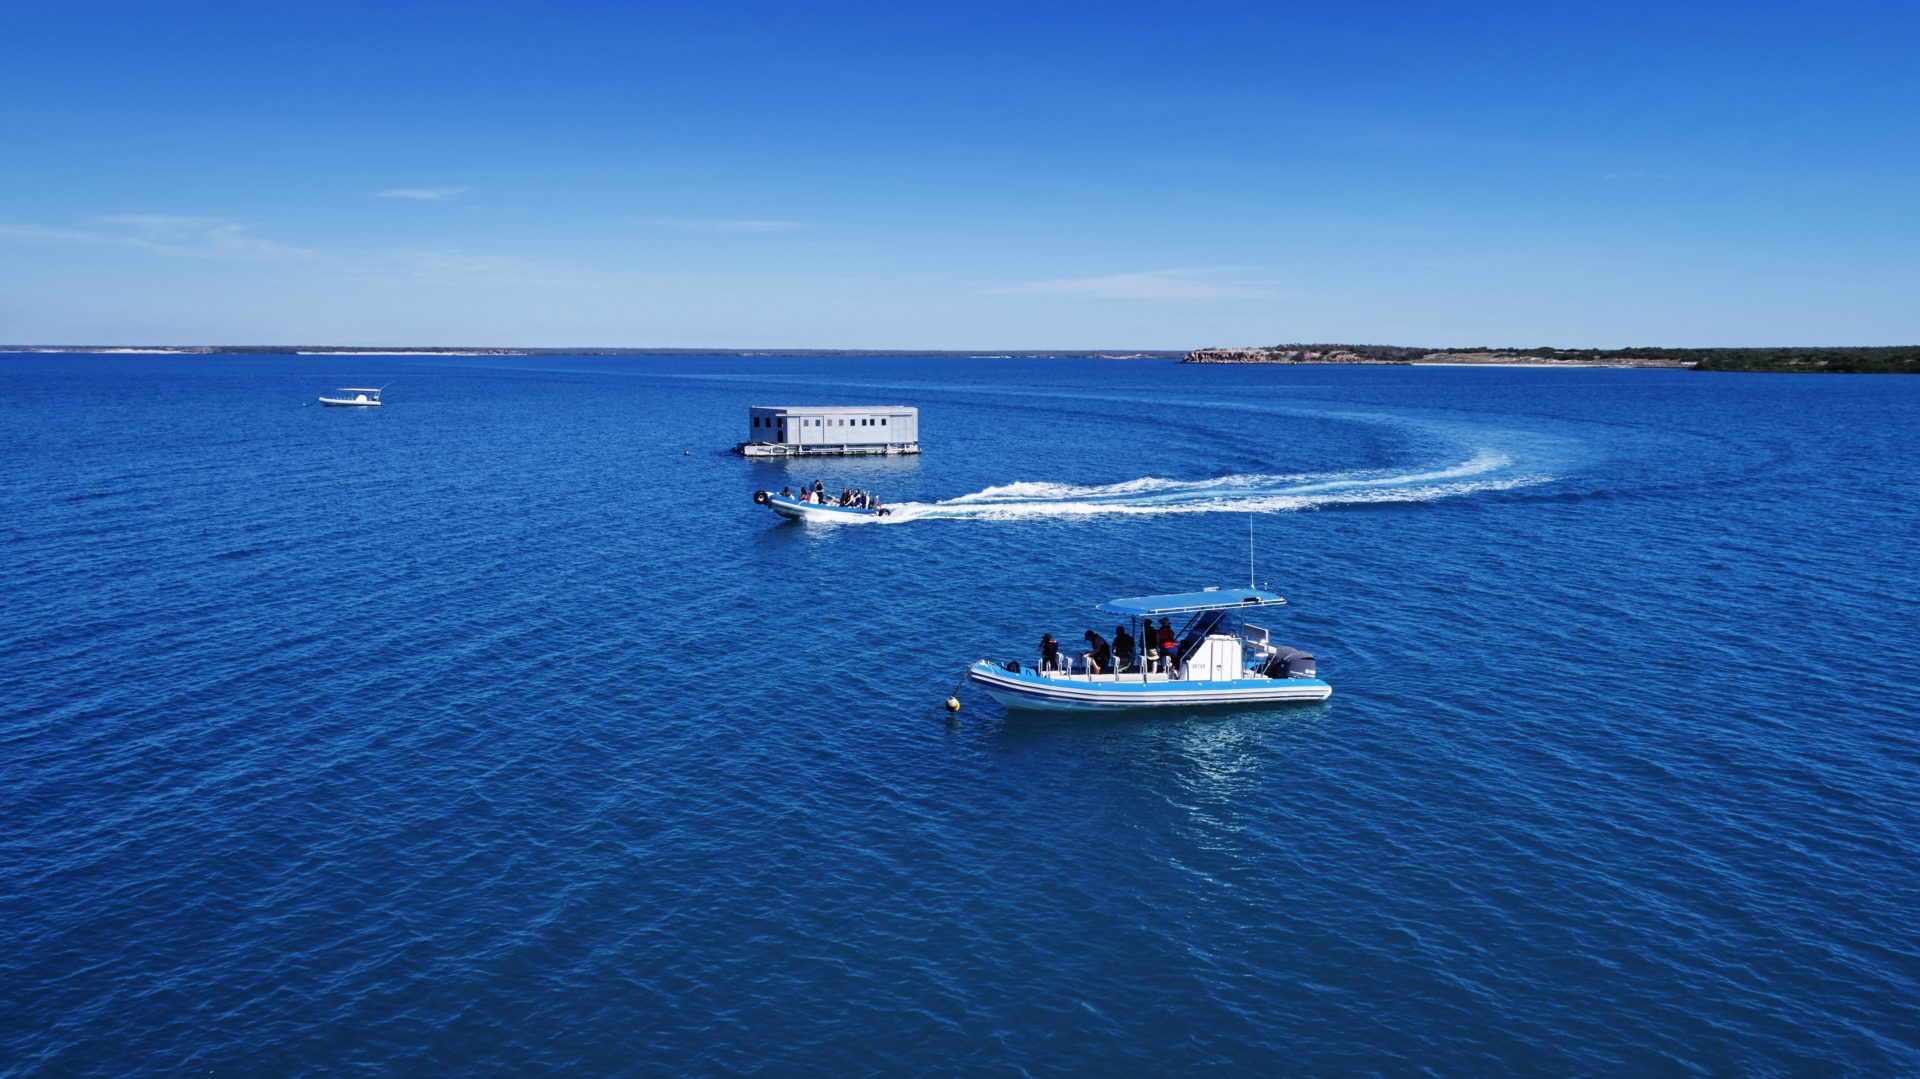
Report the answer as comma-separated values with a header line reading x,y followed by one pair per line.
x,y
953,704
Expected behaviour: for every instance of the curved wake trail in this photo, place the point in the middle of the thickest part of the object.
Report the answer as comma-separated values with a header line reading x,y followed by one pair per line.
x,y
1486,470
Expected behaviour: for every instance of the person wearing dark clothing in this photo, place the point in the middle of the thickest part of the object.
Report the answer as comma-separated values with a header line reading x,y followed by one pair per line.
x,y
1049,653
1099,656
1123,650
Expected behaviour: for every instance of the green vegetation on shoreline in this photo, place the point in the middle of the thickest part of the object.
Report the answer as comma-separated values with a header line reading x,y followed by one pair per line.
x,y
1889,359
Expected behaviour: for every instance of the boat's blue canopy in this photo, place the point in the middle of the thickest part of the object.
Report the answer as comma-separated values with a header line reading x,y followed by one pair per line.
x,y
1218,599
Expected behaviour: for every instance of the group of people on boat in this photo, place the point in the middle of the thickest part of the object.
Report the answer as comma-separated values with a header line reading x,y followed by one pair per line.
x,y
850,498
1157,652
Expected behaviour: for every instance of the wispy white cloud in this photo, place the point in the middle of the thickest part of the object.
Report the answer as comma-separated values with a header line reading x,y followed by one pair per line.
x,y
49,234
226,238
1175,284
723,224
423,194
458,267
167,234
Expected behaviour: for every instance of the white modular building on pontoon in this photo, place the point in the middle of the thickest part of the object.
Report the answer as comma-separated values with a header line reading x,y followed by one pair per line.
x,y
806,430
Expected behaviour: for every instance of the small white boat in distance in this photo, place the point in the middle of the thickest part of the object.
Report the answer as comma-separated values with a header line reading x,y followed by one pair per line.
x,y
1218,658
363,397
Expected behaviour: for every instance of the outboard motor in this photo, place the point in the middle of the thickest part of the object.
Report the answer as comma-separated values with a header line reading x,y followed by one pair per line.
x,y
760,498
1290,663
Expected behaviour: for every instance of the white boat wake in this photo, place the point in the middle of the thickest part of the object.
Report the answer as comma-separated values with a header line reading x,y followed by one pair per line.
x,y
1486,470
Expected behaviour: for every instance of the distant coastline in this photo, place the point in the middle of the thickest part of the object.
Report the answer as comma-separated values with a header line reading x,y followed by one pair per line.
x,y
1893,359
1889,359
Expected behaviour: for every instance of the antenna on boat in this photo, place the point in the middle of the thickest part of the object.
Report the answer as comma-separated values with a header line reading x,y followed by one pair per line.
x,y
1249,552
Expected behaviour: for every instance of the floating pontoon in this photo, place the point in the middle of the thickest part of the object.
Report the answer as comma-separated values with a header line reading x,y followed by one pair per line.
x,y
1219,659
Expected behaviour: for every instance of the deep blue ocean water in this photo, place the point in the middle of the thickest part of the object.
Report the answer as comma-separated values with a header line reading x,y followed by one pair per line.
x,y
497,731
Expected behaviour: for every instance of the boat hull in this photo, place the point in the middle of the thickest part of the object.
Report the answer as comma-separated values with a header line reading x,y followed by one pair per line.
x,y
796,510
336,402
1029,690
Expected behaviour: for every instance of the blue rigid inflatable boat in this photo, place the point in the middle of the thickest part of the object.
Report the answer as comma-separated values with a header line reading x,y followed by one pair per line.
x,y
794,509
1219,658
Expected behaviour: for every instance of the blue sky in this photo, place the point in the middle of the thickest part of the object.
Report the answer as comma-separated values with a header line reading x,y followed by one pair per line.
x,y
899,175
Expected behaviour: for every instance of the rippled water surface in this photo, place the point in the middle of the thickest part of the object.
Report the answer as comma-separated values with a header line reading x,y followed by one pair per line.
x,y
497,731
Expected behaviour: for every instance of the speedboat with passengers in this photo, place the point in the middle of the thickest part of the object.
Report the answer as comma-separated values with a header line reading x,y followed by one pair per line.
x,y
1219,658
791,507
